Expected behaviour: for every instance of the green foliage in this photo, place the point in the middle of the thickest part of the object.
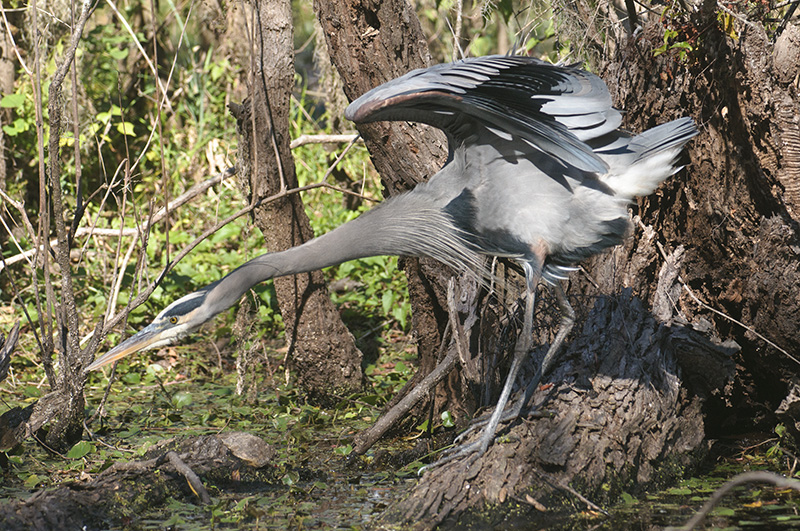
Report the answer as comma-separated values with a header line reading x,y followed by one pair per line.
x,y
192,390
80,449
671,42
489,28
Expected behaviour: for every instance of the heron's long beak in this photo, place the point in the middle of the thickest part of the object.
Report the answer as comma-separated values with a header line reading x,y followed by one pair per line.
x,y
141,340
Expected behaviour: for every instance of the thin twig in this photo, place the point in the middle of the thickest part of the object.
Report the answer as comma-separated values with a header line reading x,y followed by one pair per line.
x,y
564,486
194,482
739,17
303,140
365,439
13,43
759,476
179,201
138,45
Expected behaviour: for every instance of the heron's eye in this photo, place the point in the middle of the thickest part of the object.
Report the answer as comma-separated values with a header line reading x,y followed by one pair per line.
x,y
173,320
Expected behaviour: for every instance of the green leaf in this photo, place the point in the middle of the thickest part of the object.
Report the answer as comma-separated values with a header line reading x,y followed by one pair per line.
x,y
32,481
32,391
125,128
19,126
12,101
387,300
447,419
118,54
343,450
132,378
181,399
80,449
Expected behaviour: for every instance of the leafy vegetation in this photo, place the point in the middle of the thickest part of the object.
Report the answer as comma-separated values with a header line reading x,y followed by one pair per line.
x,y
134,157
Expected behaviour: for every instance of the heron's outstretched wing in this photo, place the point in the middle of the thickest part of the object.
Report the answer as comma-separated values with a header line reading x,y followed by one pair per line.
x,y
553,108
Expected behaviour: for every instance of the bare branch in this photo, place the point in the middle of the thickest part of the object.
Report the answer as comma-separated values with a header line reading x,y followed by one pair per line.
x,y
759,476
303,140
179,201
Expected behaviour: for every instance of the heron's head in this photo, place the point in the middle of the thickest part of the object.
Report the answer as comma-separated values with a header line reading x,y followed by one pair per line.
x,y
177,320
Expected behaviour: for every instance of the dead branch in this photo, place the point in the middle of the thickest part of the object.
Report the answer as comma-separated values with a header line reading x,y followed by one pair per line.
x,y
6,348
194,482
303,140
759,476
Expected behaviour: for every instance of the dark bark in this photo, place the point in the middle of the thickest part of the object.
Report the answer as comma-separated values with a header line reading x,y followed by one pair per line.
x,y
736,211
322,351
615,418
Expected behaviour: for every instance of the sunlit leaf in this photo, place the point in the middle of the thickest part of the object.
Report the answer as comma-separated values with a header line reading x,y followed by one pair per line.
x,y
80,449
11,101
448,421
181,399
125,128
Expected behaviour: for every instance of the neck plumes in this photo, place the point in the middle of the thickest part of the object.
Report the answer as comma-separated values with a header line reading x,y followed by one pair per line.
x,y
407,225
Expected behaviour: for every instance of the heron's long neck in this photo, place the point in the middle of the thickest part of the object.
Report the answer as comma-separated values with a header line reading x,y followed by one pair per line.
x,y
407,225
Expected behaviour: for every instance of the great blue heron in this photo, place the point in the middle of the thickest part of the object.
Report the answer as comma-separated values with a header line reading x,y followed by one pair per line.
x,y
538,172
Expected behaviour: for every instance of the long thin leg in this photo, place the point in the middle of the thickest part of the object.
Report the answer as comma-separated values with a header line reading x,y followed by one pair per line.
x,y
520,353
549,361
480,446
567,322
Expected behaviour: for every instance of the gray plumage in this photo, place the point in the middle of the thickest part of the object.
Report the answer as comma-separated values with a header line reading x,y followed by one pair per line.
x,y
538,172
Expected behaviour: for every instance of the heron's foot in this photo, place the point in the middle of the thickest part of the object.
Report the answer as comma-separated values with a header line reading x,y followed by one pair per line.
x,y
467,452
509,415
477,448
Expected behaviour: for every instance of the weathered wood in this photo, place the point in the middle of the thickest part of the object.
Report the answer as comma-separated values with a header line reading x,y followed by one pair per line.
x,y
615,418
118,496
322,351
734,210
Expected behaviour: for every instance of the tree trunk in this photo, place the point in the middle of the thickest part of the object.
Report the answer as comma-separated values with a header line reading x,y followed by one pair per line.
x,y
642,387
6,87
647,370
737,210
321,349
371,43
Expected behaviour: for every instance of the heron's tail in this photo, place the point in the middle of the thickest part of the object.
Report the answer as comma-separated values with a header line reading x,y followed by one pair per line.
x,y
651,157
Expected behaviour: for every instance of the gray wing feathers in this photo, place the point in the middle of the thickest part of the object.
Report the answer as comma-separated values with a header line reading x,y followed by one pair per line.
x,y
663,137
553,108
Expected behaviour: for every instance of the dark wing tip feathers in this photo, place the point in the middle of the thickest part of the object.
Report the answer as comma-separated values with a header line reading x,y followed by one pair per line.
x,y
515,94
362,113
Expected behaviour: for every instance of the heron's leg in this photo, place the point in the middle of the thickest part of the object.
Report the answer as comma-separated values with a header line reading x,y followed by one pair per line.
x,y
520,353
567,322
480,446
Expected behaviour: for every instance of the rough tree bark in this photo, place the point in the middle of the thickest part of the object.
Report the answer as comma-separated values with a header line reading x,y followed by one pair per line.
x,y
737,210
322,351
644,368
